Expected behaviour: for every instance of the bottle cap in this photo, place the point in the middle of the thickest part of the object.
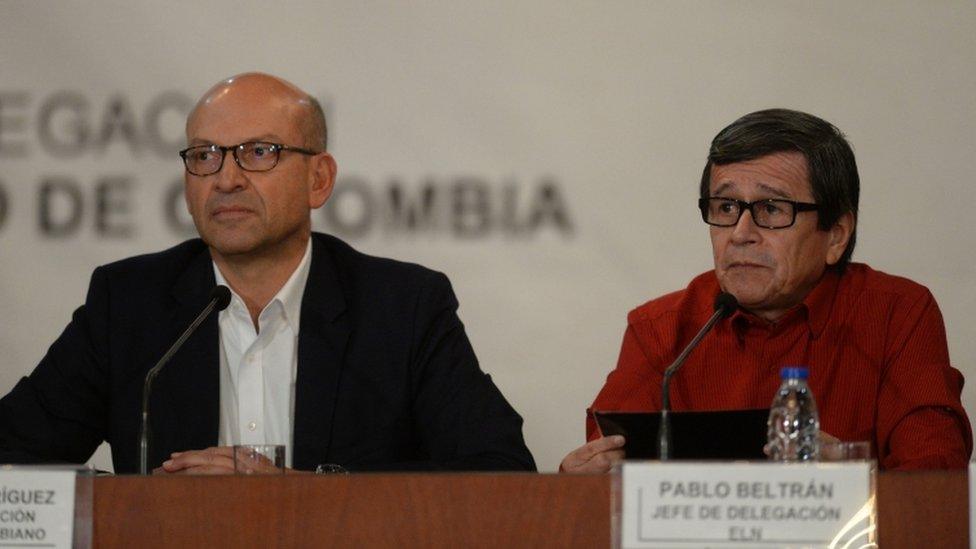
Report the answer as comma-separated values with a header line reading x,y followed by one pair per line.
x,y
794,372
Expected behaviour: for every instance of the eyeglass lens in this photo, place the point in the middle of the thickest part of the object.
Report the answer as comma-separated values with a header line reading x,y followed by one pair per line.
x,y
255,157
765,213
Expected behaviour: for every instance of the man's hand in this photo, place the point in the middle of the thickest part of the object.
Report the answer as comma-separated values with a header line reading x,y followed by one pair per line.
x,y
597,456
216,460
824,437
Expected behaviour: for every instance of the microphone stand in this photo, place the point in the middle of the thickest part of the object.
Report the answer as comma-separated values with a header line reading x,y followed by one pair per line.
x,y
725,304
220,297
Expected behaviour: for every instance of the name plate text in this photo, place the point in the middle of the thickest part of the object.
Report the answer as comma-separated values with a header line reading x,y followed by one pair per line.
x,y
746,505
36,508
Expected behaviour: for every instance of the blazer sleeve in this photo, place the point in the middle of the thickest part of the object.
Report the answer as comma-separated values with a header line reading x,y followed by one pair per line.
x,y
58,413
462,418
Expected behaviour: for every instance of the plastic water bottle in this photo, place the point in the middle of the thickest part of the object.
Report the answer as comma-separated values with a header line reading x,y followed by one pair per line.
x,y
793,424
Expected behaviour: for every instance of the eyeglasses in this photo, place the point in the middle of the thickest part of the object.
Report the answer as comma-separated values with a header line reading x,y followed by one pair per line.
x,y
253,156
771,213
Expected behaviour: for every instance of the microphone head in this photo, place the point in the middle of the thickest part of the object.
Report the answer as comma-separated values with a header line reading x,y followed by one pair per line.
x,y
726,303
221,293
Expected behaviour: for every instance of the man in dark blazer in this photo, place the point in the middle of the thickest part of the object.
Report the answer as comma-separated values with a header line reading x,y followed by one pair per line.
x,y
386,378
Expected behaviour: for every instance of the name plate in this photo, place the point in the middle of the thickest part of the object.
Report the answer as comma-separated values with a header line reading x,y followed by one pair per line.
x,y
36,508
678,505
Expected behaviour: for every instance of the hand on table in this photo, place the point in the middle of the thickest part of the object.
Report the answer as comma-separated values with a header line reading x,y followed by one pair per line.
x,y
596,456
216,460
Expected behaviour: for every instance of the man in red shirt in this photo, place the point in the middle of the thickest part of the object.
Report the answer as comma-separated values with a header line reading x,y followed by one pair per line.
x,y
780,193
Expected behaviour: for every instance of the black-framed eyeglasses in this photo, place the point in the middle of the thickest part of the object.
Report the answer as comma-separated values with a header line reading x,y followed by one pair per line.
x,y
770,213
253,156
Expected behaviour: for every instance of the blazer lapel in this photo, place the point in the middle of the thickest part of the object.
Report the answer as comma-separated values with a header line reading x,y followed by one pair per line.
x,y
323,335
188,389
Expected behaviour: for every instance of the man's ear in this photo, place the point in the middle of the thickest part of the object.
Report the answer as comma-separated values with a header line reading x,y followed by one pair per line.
x,y
323,175
840,235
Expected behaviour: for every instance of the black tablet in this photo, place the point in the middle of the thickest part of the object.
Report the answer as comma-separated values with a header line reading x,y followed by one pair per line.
x,y
706,435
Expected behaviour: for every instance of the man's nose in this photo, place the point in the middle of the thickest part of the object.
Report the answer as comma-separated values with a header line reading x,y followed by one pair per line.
x,y
231,177
745,230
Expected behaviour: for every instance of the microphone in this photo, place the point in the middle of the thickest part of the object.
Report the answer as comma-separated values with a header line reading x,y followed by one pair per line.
x,y
725,305
219,299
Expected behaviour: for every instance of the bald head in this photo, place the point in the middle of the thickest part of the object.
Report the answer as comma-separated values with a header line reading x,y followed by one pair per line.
x,y
273,92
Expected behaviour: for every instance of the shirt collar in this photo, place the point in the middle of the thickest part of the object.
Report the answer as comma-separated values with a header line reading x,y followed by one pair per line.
x,y
815,307
289,296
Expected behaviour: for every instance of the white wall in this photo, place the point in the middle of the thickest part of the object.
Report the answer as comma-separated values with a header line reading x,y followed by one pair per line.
x,y
614,103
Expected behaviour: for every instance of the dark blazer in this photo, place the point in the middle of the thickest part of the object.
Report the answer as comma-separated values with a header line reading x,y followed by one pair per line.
x,y
387,379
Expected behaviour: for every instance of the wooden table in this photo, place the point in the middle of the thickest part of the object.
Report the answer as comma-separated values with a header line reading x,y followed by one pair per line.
x,y
917,510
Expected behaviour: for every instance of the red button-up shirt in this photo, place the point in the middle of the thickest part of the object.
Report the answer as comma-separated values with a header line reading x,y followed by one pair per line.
x,y
875,345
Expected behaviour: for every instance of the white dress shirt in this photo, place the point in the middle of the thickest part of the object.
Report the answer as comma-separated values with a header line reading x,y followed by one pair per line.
x,y
258,367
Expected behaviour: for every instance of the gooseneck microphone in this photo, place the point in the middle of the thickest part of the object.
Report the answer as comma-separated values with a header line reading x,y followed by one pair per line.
x,y
219,299
725,305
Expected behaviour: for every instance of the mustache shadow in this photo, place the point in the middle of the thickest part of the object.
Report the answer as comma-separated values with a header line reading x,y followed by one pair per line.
x,y
223,201
762,260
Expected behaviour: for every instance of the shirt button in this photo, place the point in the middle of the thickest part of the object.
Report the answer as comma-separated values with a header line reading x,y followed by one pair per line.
x,y
250,358
252,426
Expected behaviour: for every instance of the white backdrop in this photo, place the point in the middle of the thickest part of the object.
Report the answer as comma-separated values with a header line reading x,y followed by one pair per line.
x,y
593,118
